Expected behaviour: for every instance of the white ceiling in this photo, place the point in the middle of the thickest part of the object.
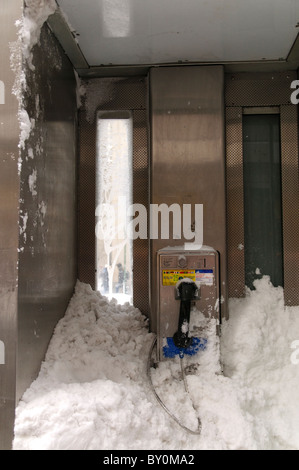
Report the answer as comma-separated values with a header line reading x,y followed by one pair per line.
x,y
137,32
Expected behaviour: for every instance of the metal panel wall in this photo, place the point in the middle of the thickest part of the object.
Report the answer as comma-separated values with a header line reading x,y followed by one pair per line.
x,y
235,198
260,90
290,201
48,210
113,94
187,154
37,210
11,10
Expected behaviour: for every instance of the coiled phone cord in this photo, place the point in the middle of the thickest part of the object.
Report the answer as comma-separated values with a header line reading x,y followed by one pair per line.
x,y
159,399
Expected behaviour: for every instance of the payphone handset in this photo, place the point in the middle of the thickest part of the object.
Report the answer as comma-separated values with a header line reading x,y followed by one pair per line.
x,y
186,291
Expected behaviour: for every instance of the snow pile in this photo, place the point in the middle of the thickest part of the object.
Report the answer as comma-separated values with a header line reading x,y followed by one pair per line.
x,y
257,353
93,391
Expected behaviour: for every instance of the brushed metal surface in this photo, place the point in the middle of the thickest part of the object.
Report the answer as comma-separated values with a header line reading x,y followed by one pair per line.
x,y
9,231
47,262
187,155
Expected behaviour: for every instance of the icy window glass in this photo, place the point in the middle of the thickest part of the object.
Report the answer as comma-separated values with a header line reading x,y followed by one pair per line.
x,y
114,193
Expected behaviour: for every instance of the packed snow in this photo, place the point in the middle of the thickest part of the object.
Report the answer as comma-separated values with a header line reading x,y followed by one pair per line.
x,y
36,12
93,391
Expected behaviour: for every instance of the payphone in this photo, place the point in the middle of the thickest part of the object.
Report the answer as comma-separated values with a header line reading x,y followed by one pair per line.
x,y
186,279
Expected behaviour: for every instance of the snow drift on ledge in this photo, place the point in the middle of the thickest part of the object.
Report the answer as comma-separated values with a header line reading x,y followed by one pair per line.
x,y
93,392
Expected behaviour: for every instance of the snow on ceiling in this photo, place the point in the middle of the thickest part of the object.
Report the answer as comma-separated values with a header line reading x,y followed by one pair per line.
x,y
136,32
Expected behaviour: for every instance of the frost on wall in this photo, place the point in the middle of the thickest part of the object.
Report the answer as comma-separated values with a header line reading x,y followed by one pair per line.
x,y
24,217
36,12
32,182
80,90
29,27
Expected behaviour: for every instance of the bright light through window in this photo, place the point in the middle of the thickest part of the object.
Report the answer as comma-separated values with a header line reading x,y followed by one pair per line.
x,y
114,246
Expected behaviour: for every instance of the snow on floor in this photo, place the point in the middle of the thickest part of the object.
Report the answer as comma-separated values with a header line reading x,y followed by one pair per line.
x,y
93,391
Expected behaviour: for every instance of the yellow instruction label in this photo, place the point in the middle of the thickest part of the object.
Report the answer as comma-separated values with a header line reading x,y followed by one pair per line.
x,y
171,277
